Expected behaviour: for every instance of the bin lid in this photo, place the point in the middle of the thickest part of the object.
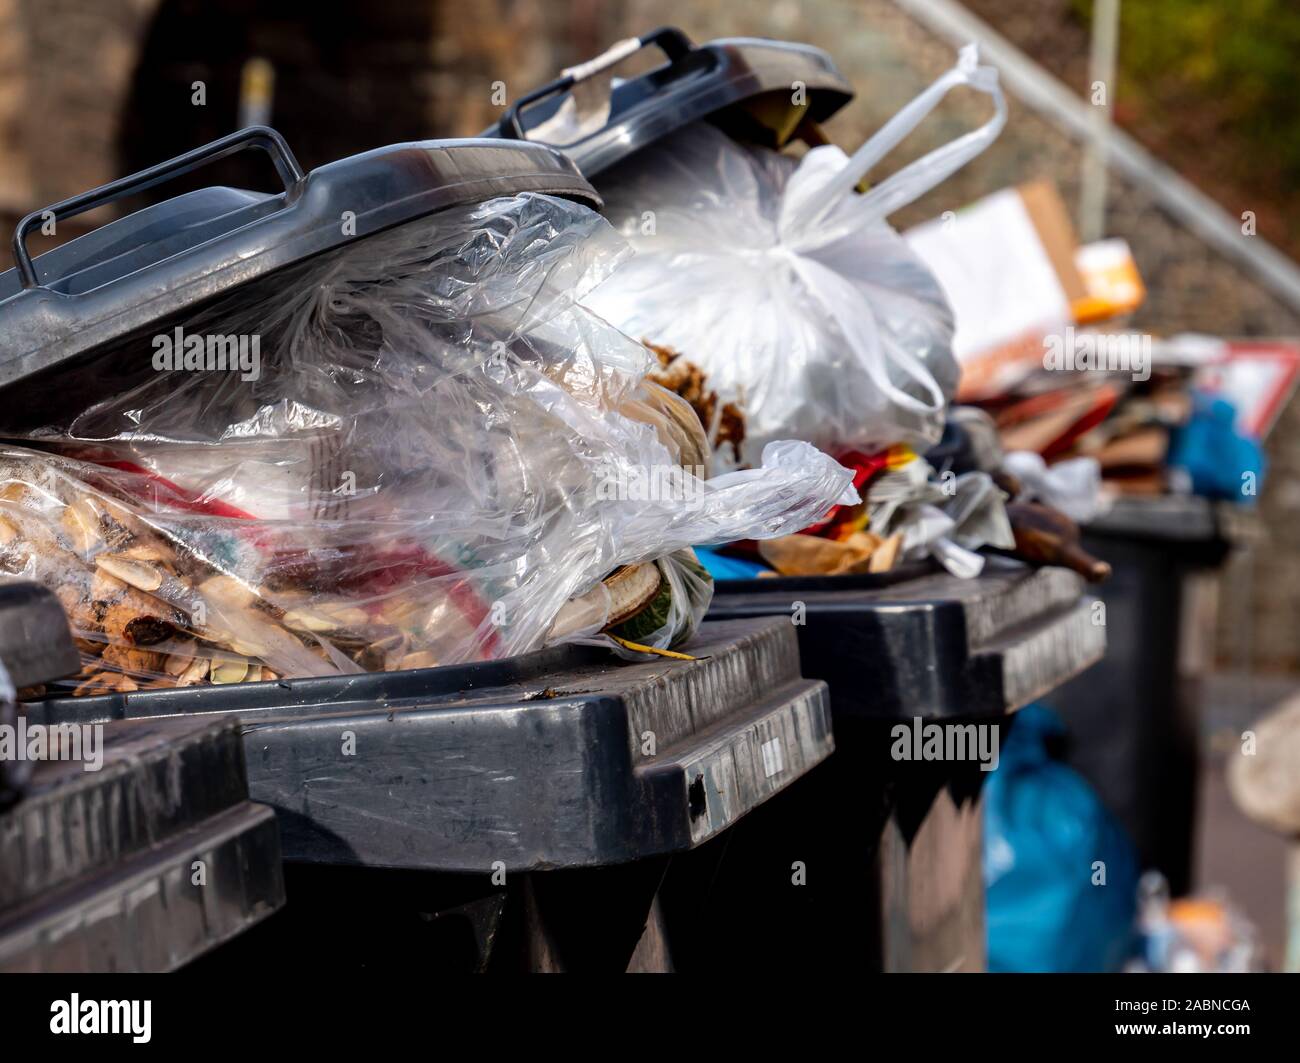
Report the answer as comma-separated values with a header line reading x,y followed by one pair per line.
x,y
98,859
567,756
142,269
1176,518
931,646
696,82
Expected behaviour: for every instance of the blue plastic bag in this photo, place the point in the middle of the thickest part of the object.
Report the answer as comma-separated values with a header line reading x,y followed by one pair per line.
x,y
1220,461
720,566
1049,844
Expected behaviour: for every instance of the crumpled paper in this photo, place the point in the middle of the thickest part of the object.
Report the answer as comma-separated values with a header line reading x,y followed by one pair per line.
x,y
947,518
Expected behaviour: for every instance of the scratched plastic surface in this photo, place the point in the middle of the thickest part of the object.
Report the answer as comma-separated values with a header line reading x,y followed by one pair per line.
x,y
98,868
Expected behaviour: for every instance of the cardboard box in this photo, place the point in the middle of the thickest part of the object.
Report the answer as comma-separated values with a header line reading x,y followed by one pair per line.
x,y
1006,264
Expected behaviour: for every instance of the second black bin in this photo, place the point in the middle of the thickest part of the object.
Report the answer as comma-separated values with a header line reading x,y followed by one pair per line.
x,y
875,860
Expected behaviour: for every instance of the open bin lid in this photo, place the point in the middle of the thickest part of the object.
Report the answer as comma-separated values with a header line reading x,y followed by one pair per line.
x,y
137,272
698,81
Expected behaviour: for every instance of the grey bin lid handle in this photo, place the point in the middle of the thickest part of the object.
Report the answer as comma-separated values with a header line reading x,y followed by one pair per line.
x,y
251,137
670,40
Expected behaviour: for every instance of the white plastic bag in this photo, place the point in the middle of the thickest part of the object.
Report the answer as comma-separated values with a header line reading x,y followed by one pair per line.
x,y
795,296
1073,486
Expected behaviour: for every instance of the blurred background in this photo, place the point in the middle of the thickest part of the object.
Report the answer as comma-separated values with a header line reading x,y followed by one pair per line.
x,y
1208,92
91,91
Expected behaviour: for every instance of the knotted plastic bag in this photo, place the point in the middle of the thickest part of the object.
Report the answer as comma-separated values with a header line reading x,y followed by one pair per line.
x,y
438,457
805,309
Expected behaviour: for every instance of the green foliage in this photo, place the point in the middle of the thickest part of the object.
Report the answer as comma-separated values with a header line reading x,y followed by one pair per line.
x,y
1216,68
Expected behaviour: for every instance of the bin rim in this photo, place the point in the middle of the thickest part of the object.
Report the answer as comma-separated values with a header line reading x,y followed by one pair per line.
x,y
872,581
286,694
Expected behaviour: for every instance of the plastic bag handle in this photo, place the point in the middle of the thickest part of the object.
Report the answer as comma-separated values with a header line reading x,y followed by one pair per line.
x,y
256,136
670,40
918,177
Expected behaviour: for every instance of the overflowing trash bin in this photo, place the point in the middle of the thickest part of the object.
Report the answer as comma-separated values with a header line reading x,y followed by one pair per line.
x,y
782,304
892,872
506,814
1133,726
587,547
779,302
351,464
127,846
362,425
1171,427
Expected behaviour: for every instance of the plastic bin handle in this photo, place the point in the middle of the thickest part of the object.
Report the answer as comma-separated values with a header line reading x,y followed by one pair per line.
x,y
670,40
250,137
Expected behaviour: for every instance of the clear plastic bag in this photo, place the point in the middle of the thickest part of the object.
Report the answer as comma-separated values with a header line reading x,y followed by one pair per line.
x,y
430,460
805,309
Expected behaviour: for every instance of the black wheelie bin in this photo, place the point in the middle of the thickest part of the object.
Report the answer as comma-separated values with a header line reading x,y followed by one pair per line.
x,y
506,814
888,873
1132,723
125,846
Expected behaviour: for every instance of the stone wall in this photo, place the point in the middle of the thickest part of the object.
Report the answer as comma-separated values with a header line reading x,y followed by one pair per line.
x,y
64,70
